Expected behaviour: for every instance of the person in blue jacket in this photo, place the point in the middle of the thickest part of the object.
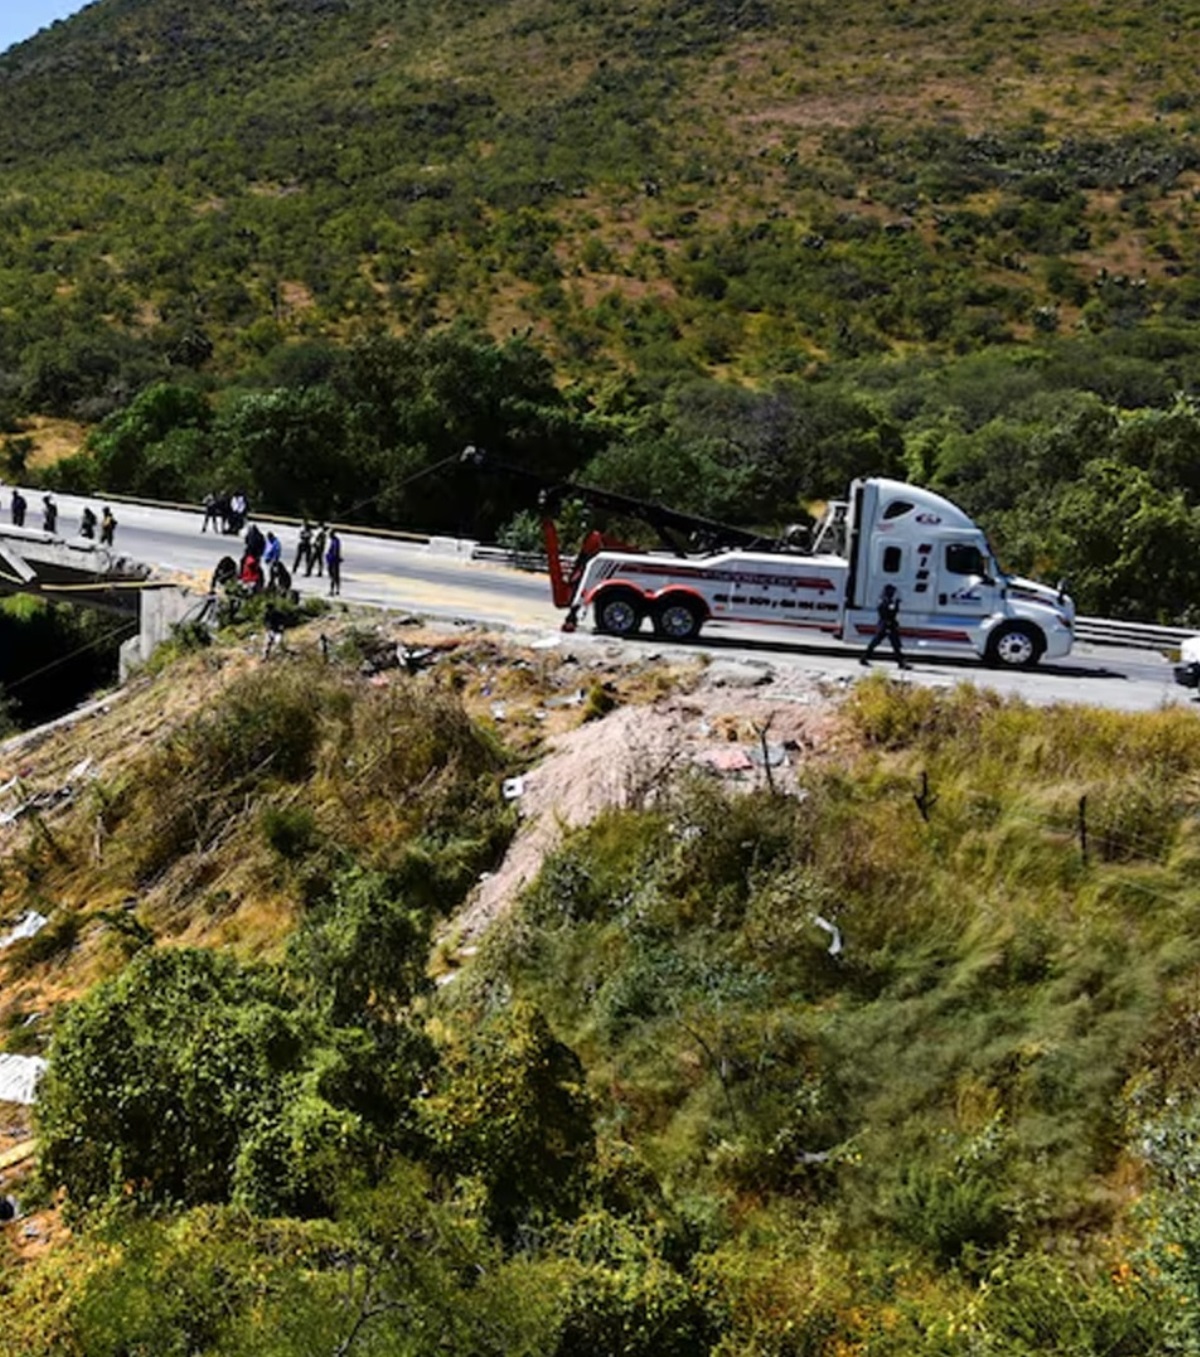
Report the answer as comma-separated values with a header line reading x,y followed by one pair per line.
x,y
333,562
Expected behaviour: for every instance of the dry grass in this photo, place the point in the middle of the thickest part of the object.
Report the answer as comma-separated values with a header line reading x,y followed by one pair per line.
x,y
53,439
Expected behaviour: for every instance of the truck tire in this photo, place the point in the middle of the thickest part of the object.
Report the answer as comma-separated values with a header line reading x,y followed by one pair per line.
x,y
619,612
1015,645
678,618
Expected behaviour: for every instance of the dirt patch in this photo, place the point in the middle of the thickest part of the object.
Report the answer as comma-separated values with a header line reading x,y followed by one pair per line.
x,y
747,738
51,439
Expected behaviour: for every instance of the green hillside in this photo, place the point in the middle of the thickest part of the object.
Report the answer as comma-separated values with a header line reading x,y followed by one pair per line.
x,y
743,187
736,253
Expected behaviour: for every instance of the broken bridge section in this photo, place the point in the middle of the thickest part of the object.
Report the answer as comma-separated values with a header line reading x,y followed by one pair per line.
x,y
70,571
90,575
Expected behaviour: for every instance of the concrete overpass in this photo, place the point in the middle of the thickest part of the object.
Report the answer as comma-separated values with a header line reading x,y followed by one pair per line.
x,y
69,571
81,572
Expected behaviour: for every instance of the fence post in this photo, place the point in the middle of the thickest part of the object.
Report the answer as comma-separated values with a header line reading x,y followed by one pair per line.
x,y
925,802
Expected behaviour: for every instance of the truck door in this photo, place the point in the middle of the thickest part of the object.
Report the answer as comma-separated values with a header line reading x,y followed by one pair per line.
x,y
964,584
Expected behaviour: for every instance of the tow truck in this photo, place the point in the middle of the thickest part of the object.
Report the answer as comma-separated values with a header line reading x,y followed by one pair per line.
x,y
955,598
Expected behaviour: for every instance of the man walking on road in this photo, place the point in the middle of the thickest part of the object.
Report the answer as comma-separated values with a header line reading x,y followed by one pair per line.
x,y
888,628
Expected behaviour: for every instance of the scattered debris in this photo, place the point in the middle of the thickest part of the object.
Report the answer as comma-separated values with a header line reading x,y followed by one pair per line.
x,y
835,933
45,800
415,658
29,927
19,1075
814,1156
513,788
726,760
737,674
767,756
574,699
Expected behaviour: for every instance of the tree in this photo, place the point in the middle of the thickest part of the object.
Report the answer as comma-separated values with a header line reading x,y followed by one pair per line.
x,y
157,1076
1128,548
157,445
514,1111
288,447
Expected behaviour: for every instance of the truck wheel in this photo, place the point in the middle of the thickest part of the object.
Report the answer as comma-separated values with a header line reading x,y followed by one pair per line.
x,y
619,612
677,618
1015,645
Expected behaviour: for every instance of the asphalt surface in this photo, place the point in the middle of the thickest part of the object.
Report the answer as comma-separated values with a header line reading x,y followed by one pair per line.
x,y
439,580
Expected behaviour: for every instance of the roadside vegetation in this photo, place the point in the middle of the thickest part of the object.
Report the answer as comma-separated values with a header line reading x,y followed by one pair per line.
x,y
903,1061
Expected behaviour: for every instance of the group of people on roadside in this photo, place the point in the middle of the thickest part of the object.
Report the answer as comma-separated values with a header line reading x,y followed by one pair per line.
x,y
262,567
89,525
227,512
106,524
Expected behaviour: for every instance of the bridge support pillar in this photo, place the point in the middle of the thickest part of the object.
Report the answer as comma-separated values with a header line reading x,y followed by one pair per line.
x,y
158,611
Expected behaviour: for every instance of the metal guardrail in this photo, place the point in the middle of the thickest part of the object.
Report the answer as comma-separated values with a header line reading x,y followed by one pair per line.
x,y
1107,631
519,560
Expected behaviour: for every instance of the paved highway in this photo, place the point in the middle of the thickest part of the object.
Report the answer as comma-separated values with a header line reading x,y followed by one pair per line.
x,y
439,580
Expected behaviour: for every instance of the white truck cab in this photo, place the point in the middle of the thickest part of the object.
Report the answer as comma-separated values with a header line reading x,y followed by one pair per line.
x,y
953,595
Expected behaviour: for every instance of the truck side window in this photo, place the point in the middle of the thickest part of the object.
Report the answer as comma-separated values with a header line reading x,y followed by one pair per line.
x,y
963,559
892,560
897,509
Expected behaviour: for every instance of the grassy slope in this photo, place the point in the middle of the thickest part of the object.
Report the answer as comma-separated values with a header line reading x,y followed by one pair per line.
x,y
949,1119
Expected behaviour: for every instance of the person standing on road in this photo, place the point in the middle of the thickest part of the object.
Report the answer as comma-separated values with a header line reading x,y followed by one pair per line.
x,y
272,551
888,628
212,514
316,555
255,542
19,505
333,559
87,523
108,526
304,550
49,514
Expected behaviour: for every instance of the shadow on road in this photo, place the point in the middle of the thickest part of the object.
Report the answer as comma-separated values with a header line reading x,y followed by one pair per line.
x,y
1069,669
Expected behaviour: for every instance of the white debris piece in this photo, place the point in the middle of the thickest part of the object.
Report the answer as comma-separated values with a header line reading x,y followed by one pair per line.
x,y
30,925
19,1075
835,933
81,770
512,788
